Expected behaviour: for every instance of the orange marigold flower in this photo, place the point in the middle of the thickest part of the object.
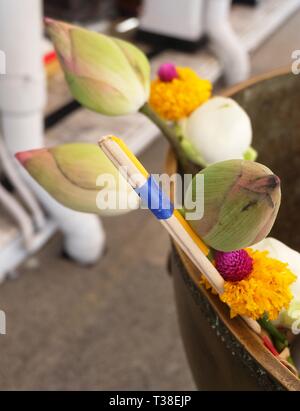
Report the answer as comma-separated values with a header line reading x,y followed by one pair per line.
x,y
178,98
265,290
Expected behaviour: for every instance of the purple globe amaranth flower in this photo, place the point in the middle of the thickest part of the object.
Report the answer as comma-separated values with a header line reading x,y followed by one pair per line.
x,y
167,72
105,74
234,265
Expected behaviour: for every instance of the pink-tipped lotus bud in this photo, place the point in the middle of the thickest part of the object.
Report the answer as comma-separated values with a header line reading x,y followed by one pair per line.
x,y
105,74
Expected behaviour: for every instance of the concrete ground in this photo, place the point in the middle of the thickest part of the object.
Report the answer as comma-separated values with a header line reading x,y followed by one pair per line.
x,y
111,326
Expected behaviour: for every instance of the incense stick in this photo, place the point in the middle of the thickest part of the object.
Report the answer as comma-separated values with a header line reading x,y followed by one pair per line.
x,y
138,177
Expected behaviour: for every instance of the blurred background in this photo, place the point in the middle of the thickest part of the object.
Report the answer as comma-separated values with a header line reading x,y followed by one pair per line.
x,y
89,303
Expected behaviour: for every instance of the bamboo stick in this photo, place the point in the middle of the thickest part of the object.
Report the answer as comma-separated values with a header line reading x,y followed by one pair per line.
x,y
136,175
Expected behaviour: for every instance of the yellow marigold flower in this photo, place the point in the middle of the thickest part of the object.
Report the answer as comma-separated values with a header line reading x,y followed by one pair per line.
x,y
265,290
178,98
203,281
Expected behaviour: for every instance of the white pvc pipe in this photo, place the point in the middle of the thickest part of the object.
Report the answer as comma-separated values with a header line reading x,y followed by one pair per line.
x,y
228,48
15,178
19,215
175,18
22,99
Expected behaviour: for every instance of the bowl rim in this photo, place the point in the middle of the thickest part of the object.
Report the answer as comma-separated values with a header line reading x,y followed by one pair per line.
x,y
253,80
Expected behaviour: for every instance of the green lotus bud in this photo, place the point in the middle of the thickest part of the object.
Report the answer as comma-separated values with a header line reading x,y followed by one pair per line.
x,y
241,201
81,177
250,154
105,74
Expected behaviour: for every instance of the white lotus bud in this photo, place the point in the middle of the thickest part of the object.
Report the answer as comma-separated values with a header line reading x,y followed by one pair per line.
x,y
219,130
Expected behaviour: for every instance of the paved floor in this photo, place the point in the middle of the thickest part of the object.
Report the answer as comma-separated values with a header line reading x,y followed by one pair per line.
x,y
111,326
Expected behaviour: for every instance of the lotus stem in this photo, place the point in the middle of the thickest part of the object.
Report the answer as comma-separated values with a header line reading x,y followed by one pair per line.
x,y
170,134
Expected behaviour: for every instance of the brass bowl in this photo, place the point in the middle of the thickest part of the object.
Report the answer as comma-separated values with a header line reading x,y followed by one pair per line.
x,y
225,354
